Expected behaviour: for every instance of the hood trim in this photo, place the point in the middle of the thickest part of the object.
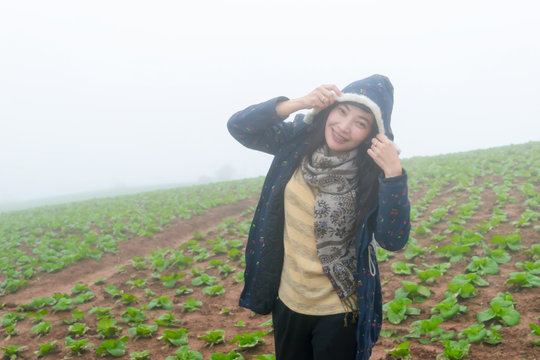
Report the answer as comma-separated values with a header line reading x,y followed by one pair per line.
x,y
360,99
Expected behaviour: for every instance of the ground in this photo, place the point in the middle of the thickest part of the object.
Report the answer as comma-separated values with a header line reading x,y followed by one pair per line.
x,y
516,343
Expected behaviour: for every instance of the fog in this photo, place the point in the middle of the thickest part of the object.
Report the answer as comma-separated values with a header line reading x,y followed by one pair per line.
x,y
101,95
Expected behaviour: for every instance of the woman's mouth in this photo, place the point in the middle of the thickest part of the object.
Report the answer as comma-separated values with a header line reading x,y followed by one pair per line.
x,y
338,138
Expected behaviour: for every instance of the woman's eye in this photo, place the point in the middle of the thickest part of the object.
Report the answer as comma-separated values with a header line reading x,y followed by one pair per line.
x,y
360,124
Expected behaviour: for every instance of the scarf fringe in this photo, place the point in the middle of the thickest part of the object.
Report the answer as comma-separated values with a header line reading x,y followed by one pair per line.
x,y
350,305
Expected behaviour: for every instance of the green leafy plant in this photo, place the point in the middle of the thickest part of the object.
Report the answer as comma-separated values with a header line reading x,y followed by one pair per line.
x,y
47,348
265,357
448,308
534,251
239,277
79,288
12,351
530,267
77,347
191,305
493,336
84,297
213,337
133,316
76,316
232,355
214,263
113,291
161,302
413,291
428,276
11,330
500,256
107,328
234,254
454,350
184,353
462,285
169,281
39,315
483,266
113,347
474,333
402,268
137,283
510,241
249,340
42,328
142,355
37,303
215,290
429,330
204,279
63,304
77,329
452,252
167,320
502,309
143,331
183,290
400,351
523,279
398,309
226,269
535,332
12,318
175,337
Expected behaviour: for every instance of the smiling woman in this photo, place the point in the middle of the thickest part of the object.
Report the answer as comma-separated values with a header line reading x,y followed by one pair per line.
x,y
336,182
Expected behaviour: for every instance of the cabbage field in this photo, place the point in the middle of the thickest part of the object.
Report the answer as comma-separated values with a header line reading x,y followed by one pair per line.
x,y
157,275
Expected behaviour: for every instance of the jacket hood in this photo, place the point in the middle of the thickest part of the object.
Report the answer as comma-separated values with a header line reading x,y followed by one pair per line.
x,y
375,92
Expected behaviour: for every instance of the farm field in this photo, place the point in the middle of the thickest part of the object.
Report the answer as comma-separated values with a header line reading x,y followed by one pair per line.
x,y
165,279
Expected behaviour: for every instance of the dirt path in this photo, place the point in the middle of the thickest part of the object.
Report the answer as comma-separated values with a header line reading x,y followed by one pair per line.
x,y
87,271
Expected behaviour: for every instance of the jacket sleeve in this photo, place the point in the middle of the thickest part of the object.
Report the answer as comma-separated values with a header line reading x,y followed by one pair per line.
x,y
259,127
393,218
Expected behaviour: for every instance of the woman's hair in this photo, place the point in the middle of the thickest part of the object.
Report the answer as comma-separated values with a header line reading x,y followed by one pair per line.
x,y
368,170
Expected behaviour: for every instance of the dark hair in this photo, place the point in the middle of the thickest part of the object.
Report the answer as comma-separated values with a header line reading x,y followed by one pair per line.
x,y
368,171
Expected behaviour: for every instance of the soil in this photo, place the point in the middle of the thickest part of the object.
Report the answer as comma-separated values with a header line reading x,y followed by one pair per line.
x,y
516,340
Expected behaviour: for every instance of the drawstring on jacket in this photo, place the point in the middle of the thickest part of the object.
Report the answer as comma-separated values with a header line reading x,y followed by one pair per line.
x,y
372,252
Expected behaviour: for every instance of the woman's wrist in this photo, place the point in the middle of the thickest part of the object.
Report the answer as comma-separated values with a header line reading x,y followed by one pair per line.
x,y
287,107
393,173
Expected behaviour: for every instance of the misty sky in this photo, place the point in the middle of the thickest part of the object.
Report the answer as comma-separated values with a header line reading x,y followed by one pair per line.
x,y
104,94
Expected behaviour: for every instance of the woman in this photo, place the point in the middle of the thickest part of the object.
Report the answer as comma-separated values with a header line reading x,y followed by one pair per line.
x,y
335,183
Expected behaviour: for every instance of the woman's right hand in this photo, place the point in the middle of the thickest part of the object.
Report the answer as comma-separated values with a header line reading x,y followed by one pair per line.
x,y
321,97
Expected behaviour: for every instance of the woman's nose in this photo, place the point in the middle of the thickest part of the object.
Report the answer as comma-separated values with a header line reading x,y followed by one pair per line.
x,y
345,125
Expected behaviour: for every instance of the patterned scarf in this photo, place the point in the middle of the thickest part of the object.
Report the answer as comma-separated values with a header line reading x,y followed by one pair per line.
x,y
333,177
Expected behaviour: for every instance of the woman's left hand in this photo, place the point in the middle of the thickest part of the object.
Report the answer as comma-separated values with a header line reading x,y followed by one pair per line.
x,y
384,153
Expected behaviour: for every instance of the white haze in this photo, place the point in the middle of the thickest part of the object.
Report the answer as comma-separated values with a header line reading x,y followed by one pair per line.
x,y
101,95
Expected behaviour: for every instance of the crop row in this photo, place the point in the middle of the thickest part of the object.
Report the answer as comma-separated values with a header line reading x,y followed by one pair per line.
x,y
150,306
473,210
47,239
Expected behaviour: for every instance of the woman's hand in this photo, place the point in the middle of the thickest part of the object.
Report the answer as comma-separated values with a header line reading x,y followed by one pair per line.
x,y
384,153
321,97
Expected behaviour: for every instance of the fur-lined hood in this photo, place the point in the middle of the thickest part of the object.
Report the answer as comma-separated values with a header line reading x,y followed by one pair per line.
x,y
375,92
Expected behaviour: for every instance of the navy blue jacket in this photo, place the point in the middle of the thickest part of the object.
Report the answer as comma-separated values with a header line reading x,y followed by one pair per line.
x,y
259,127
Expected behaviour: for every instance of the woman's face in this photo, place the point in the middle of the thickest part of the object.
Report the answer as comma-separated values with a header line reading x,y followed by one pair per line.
x,y
346,128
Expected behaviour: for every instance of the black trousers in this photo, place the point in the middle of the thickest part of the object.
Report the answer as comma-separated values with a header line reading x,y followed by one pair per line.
x,y
312,337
